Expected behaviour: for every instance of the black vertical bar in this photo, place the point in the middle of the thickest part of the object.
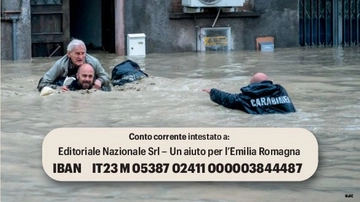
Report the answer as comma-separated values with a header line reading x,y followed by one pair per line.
x,y
350,23
318,22
311,23
325,17
335,17
357,21
301,38
304,13
300,23
343,25
326,21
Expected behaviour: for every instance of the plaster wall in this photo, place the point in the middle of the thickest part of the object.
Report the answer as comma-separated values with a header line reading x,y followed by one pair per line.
x,y
279,18
23,30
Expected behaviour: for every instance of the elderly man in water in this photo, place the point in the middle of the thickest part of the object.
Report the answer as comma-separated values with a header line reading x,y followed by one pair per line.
x,y
260,97
68,65
84,80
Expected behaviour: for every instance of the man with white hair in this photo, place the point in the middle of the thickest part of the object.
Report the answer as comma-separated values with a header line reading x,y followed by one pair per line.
x,y
260,97
68,65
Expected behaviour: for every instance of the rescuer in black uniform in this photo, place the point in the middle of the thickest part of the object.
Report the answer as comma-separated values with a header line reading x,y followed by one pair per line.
x,y
261,96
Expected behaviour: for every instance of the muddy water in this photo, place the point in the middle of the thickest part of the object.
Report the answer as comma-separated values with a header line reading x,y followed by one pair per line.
x,y
324,85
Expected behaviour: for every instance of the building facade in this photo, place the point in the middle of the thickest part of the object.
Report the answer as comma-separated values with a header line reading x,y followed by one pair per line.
x,y
42,28
15,30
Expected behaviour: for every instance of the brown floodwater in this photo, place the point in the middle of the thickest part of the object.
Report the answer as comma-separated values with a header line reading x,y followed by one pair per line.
x,y
323,83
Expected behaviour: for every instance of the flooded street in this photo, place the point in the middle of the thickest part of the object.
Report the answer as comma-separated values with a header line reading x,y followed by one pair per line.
x,y
323,83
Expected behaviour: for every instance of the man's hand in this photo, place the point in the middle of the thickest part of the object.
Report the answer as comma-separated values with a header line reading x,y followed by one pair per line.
x,y
64,88
97,84
207,90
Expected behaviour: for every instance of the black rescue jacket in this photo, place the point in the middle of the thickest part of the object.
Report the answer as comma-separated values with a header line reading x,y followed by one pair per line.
x,y
257,98
126,72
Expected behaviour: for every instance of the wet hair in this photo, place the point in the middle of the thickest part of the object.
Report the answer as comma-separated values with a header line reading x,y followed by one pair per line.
x,y
74,43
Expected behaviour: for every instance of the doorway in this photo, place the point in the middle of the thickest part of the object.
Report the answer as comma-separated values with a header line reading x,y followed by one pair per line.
x,y
93,21
49,27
